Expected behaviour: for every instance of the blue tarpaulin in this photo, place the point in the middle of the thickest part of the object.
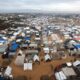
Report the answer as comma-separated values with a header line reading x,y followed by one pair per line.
x,y
2,40
14,47
77,46
27,38
1,78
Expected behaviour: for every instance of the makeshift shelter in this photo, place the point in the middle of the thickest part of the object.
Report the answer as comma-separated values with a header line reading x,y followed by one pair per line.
x,y
36,58
33,45
46,50
27,66
20,52
8,71
47,57
76,63
27,38
68,71
31,52
24,45
77,46
14,47
18,40
20,60
3,41
69,64
60,76
37,38
3,48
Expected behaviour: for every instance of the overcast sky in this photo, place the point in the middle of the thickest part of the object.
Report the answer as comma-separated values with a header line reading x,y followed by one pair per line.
x,y
42,5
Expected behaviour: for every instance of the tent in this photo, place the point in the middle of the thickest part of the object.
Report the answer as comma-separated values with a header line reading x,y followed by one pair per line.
x,y
27,66
69,64
31,52
47,57
76,63
60,76
77,46
37,38
46,50
8,71
33,45
20,52
18,40
20,60
27,38
14,46
36,58
3,48
2,41
57,76
24,45
68,71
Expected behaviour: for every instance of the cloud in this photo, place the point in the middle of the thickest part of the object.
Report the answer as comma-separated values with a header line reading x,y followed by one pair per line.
x,y
43,5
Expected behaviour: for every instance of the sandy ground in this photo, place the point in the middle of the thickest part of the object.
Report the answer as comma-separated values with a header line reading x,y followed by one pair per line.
x,y
44,68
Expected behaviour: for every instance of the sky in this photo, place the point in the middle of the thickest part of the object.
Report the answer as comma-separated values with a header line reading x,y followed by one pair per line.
x,y
41,5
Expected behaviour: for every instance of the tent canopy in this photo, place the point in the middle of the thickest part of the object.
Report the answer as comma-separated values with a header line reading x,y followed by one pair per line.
x,y
76,63
36,58
47,57
77,46
27,38
14,47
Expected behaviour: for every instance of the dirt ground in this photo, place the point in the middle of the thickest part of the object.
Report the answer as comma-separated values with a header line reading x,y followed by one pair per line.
x,y
44,68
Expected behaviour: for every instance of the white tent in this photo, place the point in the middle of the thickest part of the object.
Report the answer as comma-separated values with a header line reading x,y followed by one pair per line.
x,y
33,45
23,34
69,64
57,76
20,60
20,52
62,75
47,57
8,71
27,66
76,63
46,50
31,52
3,48
36,58
18,40
37,38
68,71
